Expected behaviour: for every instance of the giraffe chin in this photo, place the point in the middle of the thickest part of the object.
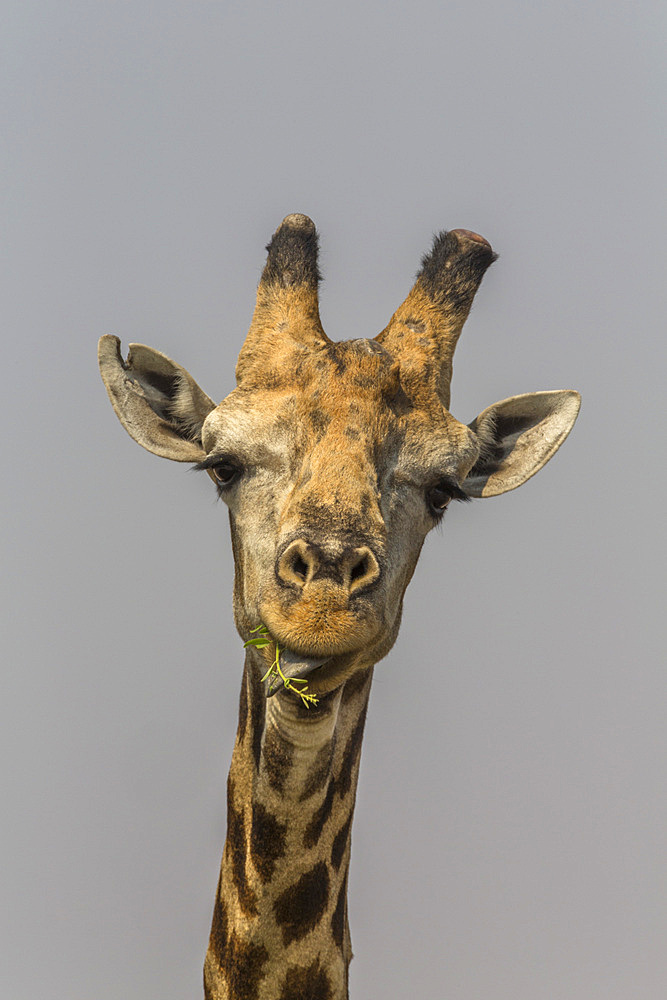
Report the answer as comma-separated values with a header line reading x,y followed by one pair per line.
x,y
314,632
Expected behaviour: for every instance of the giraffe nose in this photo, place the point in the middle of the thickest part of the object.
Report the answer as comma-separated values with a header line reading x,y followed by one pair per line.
x,y
303,562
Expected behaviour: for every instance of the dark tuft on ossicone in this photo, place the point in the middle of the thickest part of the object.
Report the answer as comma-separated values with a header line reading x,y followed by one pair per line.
x,y
452,270
293,254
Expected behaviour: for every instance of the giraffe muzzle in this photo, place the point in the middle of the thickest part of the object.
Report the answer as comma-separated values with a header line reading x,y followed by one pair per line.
x,y
325,599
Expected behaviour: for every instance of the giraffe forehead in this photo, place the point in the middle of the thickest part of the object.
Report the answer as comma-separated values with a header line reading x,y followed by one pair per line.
x,y
357,366
349,398
348,390
293,365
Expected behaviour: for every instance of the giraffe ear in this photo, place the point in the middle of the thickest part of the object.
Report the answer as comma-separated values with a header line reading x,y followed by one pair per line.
x,y
158,403
517,437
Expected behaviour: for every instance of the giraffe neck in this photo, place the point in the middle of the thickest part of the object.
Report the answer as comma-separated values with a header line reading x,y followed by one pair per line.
x,y
280,929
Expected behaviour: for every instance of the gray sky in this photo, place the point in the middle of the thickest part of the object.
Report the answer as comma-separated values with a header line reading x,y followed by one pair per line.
x,y
510,834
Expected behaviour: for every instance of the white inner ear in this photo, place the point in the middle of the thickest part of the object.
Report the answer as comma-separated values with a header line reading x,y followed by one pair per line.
x,y
184,409
166,421
159,401
536,424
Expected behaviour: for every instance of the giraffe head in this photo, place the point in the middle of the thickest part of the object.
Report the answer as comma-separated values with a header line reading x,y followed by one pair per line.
x,y
337,458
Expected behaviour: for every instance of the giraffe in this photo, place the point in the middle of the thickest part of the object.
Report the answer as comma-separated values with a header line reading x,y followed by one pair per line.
x,y
335,460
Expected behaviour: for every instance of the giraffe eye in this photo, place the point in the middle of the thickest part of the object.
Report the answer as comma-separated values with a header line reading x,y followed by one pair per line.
x,y
438,497
440,494
226,473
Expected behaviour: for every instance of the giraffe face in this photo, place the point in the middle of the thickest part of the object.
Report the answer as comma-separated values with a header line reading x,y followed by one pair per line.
x,y
333,476
336,459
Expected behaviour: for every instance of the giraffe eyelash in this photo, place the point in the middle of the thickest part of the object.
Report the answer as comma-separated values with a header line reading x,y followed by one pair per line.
x,y
219,458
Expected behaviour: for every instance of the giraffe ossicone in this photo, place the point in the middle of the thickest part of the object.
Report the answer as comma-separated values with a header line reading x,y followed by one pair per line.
x,y
335,460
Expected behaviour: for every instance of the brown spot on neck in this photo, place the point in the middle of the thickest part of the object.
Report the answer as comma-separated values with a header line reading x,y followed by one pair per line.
x,y
237,962
351,754
314,829
277,758
320,771
340,842
300,908
306,983
267,841
235,849
339,916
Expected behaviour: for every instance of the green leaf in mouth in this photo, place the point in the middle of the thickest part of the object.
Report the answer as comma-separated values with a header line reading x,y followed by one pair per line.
x,y
274,675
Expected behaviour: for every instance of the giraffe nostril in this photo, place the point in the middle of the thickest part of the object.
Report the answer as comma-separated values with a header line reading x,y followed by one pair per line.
x,y
299,566
362,569
359,569
297,563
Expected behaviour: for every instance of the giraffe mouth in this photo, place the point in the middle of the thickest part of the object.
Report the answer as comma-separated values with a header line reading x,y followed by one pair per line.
x,y
324,674
296,667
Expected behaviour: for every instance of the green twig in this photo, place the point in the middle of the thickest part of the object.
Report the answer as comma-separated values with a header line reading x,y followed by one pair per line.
x,y
261,641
